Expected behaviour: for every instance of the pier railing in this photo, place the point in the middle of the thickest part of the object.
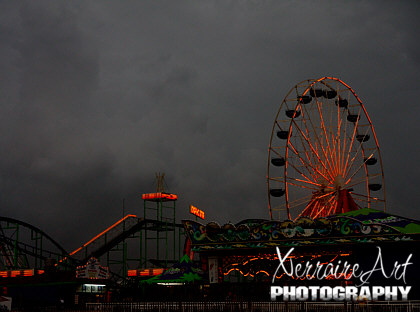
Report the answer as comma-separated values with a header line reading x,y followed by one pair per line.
x,y
392,306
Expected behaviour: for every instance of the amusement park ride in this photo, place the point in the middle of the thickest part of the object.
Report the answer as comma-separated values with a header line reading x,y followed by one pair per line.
x,y
324,163
27,251
323,155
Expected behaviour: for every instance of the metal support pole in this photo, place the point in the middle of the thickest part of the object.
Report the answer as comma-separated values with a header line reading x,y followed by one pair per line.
x,y
158,203
15,249
145,236
141,248
174,227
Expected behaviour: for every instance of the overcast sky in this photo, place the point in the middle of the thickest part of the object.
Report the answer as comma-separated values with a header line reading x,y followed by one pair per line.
x,y
97,96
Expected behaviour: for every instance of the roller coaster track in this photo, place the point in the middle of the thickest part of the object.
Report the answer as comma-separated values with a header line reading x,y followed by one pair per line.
x,y
15,250
116,233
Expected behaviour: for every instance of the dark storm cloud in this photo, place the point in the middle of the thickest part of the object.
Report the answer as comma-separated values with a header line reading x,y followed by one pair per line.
x,y
98,96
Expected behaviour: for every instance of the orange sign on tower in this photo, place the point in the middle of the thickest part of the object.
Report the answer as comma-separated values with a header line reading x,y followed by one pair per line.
x,y
197,212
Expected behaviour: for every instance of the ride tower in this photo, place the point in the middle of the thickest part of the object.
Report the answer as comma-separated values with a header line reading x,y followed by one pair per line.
x,y
159,213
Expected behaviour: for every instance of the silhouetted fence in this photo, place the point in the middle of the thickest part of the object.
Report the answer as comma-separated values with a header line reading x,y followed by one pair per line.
x,y
392,306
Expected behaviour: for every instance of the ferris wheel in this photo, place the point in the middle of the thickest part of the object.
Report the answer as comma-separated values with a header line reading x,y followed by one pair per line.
x,y
323,156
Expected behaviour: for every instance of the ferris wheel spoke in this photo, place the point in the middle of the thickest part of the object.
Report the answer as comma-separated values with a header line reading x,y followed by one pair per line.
x,y
276,179
299,202
324,130
333,205
341,164
363,200
318,204
341,151
306,185
316,137
310,206
362,180
273,149
325,206
307,180
344,164
306,152
296,181
337,136
329,133
359,149
369,197
363,164
278,125
326,194
325,134
352,141
308,165
315,153
338,140
305,165
318,209
301,163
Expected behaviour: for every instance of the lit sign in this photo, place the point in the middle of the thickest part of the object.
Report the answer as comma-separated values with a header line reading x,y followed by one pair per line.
x,y
197,212
144,272
92,270
164,196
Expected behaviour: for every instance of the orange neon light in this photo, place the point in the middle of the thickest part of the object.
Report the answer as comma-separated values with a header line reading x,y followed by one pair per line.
x,y
270,257
102,233
160,196
197,212
16,273
145,272
157,271
252,275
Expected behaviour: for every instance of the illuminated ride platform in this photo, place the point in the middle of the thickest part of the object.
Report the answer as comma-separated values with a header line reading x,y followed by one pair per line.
x,y
243,253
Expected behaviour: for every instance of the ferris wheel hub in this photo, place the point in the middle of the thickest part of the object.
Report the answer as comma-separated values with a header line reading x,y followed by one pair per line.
x,y
339,182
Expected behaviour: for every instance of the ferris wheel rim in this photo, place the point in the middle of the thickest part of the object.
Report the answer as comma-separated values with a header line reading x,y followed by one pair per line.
x,y
309,84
